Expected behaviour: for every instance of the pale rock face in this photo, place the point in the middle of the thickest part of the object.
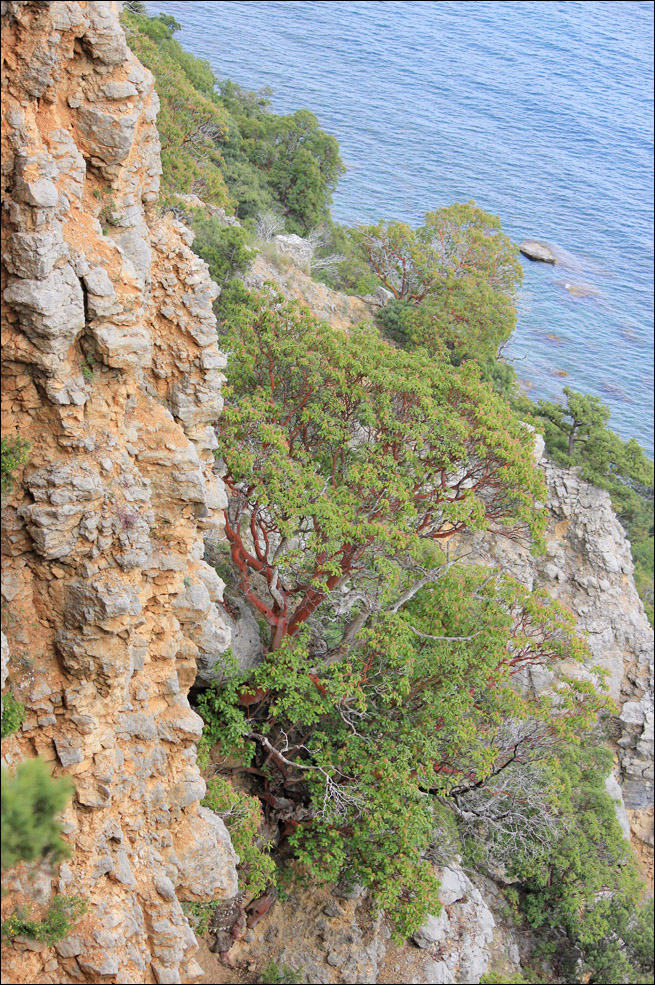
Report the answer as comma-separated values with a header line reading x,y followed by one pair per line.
x,y
112,373
462,933
300,250
588,567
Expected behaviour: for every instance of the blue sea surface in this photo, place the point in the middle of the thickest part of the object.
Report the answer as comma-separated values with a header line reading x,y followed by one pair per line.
x,y
540,112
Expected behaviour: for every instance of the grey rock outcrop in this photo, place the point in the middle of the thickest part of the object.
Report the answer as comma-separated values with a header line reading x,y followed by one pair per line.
x,y
300,250
588,567
461,935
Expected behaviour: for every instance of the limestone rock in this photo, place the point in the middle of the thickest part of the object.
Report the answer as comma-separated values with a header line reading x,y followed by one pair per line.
x,y
463,931
103,536
300,250
588,567
207,859
535,250
51,310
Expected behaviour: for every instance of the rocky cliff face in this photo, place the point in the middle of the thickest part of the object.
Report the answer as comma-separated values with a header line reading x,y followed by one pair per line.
x,y
112,373
588,567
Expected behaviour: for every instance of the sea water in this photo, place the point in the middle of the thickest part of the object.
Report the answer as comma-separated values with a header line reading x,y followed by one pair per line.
x,y
540,112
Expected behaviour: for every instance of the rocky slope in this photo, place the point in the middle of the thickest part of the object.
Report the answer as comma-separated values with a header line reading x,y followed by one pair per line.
x,y
588,567
112,373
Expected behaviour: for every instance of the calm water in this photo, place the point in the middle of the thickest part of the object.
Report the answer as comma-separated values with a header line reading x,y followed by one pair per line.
x,y
541,112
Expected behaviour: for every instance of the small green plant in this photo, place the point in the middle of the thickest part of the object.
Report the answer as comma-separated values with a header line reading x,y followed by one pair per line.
x,y
15,452
243,817
199,915
30,800
108,215
275,973
226,250
13,715
97,193
88,368
56,925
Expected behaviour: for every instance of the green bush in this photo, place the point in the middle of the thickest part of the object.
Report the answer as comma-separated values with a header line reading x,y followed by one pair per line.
x,y
583,893
494,978
398,720
219,141
56,925
14,453
13,715
192,124
224,248
346,268
31,798
243,818
279,974
199,915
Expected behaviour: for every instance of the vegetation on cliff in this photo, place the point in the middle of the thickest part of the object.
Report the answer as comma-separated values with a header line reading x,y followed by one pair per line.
x,y
31,799
577,434
220,141
392,713
344,456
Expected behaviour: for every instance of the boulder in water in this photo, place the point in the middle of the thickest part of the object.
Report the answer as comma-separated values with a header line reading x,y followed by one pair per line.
x,y
534,250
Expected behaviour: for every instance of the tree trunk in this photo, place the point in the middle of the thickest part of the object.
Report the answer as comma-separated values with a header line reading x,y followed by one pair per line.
x,y
574,428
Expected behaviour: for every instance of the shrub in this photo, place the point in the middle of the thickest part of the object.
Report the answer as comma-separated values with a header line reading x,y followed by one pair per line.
x,y
243,818
199,915
278,974
13,715
30,800
224,145
225,249
582,891
56,925
14,453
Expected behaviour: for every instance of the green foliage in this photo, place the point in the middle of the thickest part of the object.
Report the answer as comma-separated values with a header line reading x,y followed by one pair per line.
x,y
13,715
390,683
56,925
30,800
243,818
15,452
108,216
225,248
199,915
275,973
583,891
338,262
492,978
454,280
191,122
223,145
417,708
369,452
224,721
278,160
88,369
